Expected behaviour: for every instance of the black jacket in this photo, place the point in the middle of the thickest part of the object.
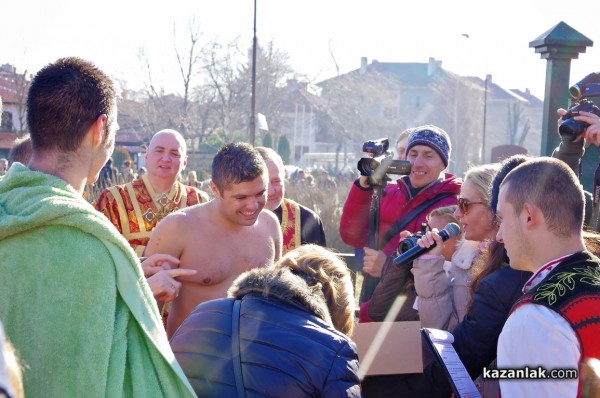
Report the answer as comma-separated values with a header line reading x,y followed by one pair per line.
x,y
288,346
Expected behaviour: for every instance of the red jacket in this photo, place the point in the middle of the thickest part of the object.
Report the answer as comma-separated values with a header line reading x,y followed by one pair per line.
x,y
395,203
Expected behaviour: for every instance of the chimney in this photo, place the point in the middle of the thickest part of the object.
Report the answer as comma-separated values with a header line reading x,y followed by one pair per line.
x,y
363,65
431,66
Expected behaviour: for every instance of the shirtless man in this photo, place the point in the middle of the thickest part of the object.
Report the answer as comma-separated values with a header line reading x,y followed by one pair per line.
x,y
224,237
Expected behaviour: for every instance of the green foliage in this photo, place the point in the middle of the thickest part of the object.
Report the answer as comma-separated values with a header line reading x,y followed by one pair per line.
x,y
267,140
283,149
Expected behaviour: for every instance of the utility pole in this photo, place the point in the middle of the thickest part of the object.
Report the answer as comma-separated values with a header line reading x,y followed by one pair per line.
x,y
252,134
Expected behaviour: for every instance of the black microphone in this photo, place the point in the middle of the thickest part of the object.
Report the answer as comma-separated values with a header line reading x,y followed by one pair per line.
x,y
450,231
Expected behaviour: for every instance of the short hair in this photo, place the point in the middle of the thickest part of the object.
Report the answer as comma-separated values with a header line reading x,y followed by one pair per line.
x,y
322,269
20,152
65,98
481,177
234,163
270,154
552,186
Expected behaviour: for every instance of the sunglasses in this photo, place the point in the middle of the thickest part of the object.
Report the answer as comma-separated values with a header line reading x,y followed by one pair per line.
x,y
464,204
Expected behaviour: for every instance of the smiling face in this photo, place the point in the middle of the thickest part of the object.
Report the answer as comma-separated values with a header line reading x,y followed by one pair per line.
x,y
478,220
166,156
426,165
241,203
276,185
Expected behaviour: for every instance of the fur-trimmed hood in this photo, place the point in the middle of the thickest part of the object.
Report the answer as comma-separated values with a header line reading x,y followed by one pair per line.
x,y
284,285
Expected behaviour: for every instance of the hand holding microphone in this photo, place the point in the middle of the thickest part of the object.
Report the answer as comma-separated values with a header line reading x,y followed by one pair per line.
x,y
427,242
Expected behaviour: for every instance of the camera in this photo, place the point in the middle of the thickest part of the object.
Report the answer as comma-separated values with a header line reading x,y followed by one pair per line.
x,y
589,86
411,241
380,162
570,128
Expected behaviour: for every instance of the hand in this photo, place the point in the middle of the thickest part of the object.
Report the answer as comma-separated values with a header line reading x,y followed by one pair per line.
x,y
163,284
373,262
158,262
429,238
364,182
592,132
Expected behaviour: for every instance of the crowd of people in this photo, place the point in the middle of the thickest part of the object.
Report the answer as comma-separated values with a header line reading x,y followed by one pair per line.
x,y
158,289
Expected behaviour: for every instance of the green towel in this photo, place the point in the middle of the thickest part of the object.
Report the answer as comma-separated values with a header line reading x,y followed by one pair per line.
x,y
73,298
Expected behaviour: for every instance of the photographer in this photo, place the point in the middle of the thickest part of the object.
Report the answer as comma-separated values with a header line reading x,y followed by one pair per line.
x,y
428,152
571,151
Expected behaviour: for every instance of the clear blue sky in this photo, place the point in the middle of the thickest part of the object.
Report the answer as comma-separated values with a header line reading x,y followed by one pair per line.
x,y
110,33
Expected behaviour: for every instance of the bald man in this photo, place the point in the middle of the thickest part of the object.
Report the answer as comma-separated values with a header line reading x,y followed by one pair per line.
x,y
136,208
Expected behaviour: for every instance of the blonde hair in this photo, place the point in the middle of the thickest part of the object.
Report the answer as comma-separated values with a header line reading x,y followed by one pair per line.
x,y
330,275
445,211
481,177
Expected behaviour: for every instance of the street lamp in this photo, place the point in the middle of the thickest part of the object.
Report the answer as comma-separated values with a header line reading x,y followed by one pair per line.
x,y
252,134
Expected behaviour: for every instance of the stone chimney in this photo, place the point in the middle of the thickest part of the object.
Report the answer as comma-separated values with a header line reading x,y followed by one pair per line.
x,y
363,65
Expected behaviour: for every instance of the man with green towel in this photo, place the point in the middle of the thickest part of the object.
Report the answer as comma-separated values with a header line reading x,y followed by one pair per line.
x,y
73,297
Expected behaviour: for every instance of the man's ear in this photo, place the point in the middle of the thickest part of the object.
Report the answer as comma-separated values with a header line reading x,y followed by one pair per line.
x,y
215,189
531,216
98,130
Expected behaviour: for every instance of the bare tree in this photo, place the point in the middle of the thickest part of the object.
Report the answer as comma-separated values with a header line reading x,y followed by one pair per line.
x,y
518,124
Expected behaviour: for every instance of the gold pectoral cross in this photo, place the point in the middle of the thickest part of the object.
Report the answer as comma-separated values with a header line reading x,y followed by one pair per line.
x,y
166,208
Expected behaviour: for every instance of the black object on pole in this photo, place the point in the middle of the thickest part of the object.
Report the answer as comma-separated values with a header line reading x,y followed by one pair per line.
x,y
370,282
252,134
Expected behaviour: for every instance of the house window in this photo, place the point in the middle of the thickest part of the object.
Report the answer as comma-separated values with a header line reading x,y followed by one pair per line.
x,y
7,121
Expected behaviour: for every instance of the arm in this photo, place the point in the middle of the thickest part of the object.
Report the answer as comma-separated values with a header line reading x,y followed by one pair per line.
x,y
436,307
343,380
537,336
160,275
107,205
354,222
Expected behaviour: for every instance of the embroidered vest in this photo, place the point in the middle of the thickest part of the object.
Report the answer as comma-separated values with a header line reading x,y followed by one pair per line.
x,y
290,225
572,289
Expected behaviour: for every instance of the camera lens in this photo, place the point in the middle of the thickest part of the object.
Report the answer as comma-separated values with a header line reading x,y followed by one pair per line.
x,y
570,129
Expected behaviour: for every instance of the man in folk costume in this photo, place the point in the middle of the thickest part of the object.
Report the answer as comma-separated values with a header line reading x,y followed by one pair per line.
x,y
299,224
136,208
556,324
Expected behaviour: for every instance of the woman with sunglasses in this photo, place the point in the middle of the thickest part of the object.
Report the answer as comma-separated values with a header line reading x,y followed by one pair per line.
x,y
445,295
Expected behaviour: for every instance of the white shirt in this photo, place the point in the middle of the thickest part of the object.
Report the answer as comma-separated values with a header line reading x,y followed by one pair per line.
x,y
533,336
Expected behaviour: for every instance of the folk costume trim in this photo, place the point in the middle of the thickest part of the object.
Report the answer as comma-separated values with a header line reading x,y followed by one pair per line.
x,y
290,225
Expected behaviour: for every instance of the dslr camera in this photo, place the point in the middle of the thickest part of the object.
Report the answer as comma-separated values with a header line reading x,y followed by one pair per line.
x,y
569,129
380,162
411,241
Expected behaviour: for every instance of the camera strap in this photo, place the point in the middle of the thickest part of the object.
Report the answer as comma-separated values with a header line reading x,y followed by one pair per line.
x,y
404,221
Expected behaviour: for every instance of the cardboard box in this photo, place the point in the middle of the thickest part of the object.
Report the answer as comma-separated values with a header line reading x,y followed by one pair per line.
x,y
389,347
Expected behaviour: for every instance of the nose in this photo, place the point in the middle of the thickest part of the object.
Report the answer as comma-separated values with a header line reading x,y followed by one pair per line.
x,y
271,189
499,236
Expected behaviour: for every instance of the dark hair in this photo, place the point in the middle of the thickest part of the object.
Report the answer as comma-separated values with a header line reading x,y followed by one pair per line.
x,y
506,166
65,98
20,152
236,162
